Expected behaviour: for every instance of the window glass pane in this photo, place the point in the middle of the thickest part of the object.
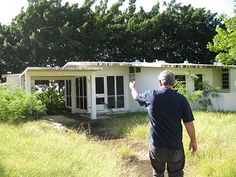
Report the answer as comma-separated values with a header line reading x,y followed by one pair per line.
x,y
81,102
180,79
77,102
131,69
100,101
111,102
77,86
85,86
132,77
119,85
68,87
225,79
68,101
80,86
138,69
85,103
99,85
198,82
110,85
120,102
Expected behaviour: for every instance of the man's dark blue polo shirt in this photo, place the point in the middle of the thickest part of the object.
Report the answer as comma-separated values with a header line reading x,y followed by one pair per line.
x,y
166,109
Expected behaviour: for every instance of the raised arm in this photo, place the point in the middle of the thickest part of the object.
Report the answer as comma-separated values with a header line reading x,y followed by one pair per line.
x,y
133,90
191,133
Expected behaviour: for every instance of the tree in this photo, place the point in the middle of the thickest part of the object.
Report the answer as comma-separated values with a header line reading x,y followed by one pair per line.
x,y
224,42
177,34
49,33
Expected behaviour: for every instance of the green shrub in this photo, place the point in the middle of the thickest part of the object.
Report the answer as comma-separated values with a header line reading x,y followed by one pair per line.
x,y
53,100
17,105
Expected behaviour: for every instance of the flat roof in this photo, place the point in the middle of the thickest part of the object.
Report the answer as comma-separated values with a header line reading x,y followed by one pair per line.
x,y
158,64
68,69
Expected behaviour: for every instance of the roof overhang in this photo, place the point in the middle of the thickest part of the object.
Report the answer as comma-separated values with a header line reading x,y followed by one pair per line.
x,y
45,73
157,64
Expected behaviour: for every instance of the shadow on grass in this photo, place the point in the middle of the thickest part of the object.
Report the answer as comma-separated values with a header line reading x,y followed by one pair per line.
x,y
2,171
117,126
106,126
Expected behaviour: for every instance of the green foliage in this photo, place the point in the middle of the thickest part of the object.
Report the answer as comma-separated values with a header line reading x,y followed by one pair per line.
x,y
18,106
52,33
207,92
224,42
192,96
53,100
203,96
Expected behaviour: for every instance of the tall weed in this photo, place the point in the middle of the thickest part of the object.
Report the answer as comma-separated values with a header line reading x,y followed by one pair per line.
x,y
53,100
17,105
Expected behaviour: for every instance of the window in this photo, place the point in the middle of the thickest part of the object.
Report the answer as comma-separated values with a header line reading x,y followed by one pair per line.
x,y
68,93
198,82
115,91
132,71
225,79
81,93
99,85
100,96
181,79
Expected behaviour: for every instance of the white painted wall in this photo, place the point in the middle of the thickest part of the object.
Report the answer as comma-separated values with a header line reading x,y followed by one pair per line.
x,y
217,78
147,79
225,102
232,80
13,80
116,71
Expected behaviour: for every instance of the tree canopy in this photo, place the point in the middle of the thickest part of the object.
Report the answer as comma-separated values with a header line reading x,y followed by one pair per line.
x,y
224,42
52,33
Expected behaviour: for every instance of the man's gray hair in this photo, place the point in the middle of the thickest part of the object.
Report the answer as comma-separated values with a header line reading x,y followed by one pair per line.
x,y
167,77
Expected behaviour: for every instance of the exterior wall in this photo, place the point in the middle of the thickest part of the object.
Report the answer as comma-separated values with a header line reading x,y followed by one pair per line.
x,y
225,102
117,71
147,79
217,78
232,81
13,80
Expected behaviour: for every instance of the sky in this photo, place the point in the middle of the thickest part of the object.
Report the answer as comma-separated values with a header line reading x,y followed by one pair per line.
x,y
10,8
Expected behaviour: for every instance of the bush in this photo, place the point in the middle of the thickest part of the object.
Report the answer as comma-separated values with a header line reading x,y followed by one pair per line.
x,y
17,105
53,100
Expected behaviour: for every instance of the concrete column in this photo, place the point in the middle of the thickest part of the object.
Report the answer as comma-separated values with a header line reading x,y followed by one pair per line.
x,y
93,98
27,82
189,84
73,95
22,85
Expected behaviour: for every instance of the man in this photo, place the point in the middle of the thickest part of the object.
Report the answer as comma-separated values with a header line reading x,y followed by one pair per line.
x,y
166,109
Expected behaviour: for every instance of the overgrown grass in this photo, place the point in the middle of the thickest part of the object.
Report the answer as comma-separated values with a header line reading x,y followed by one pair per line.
x,y
216,135
38,149
132,125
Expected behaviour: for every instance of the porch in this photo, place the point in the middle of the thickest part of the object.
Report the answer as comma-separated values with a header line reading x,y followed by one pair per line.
x,y
32,74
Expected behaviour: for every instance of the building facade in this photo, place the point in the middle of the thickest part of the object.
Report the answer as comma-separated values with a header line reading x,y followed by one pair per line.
x,y
103,87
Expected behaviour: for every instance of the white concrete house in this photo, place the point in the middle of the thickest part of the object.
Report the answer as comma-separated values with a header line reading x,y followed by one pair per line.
x,y
102,87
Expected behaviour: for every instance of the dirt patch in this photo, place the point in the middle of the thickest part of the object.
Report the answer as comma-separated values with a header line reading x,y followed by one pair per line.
x,y
145,168
99,131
